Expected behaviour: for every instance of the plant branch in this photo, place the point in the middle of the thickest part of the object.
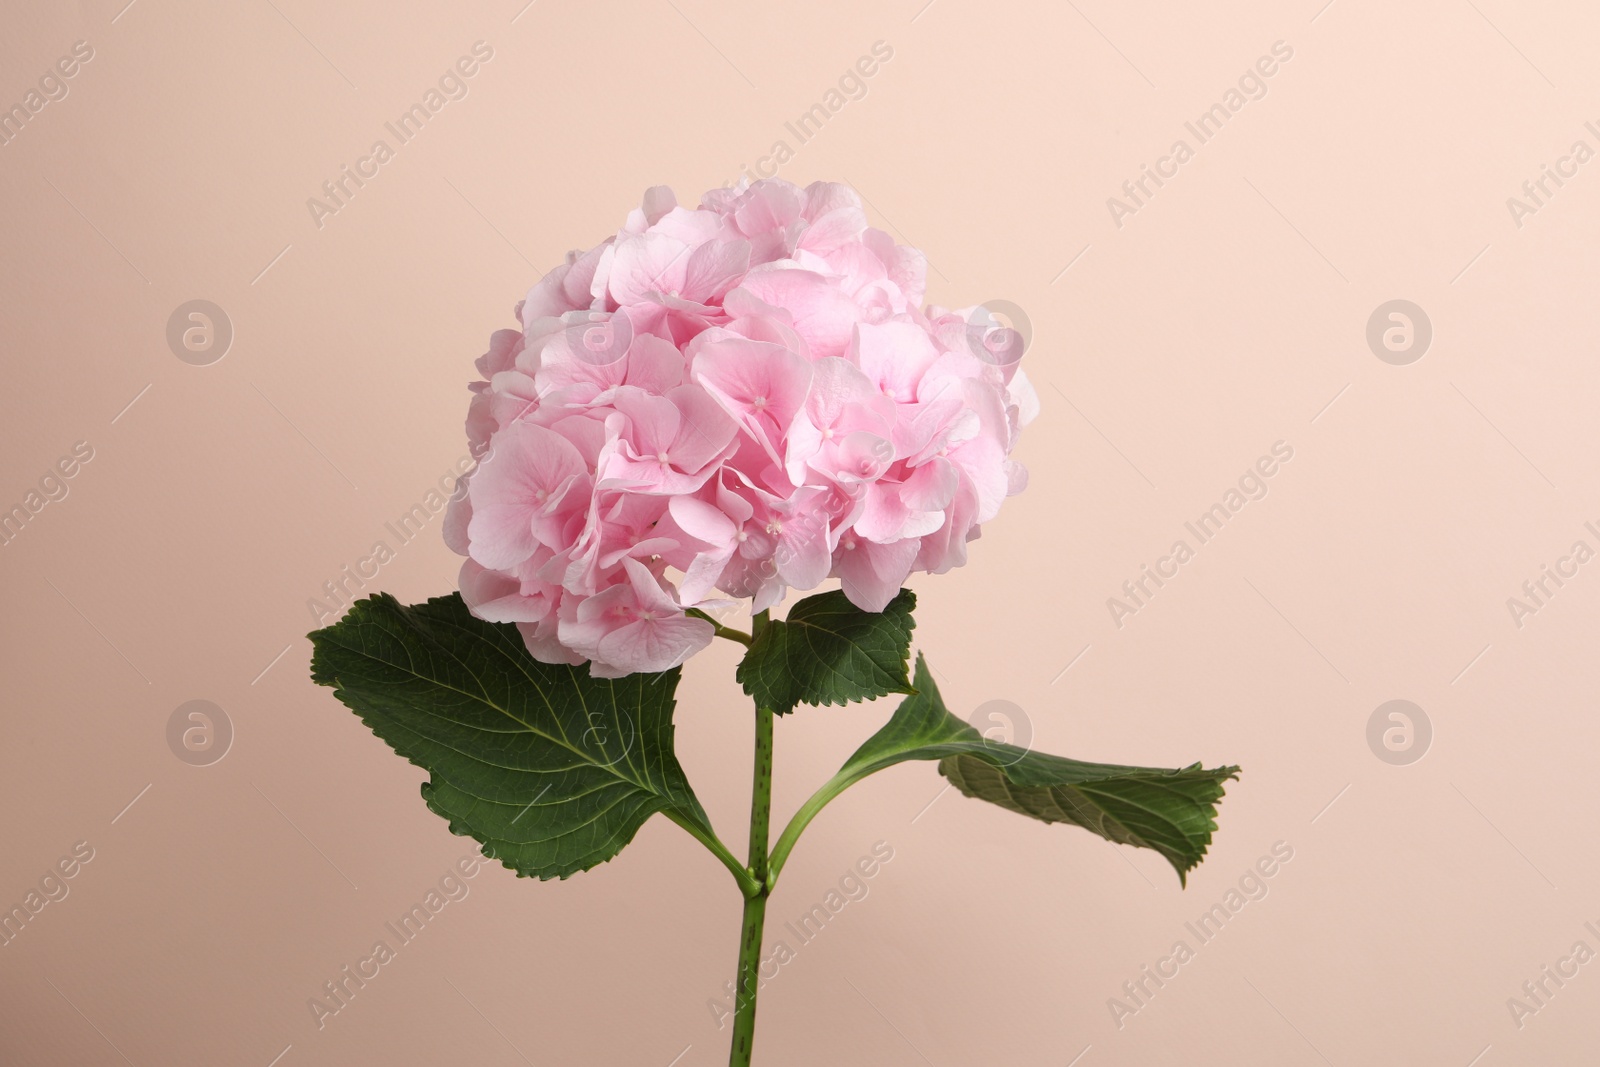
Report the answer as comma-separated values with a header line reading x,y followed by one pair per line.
x,y
731,634
747,980
741,874
719,630
802,818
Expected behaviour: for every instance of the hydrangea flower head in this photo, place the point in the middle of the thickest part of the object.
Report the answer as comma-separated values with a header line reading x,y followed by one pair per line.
x,y
728,401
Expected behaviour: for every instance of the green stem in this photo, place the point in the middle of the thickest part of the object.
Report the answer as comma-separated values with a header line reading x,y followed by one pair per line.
x,y
802,818
755,906
719,630
741,874
731,634
744,1018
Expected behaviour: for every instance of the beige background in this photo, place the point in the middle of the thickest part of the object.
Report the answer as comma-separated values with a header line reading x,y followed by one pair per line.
x,y
1225,315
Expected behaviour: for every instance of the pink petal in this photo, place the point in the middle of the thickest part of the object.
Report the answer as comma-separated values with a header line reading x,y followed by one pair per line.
x,y
515,492
885,514
504,345
704,430
824,197
457,516
834,229
702,521
894,356
714,268
647,263
494,596
822,314
871,574
658,200
653,421
931,486
647,592
650,645
544,642
767,206
803,558
761,385
654,364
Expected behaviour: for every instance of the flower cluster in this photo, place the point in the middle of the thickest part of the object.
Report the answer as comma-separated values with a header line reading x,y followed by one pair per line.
x,y
735,399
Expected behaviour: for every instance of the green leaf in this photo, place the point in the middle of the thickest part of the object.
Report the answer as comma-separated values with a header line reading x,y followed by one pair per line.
x,y
828,651
1171,811
553,770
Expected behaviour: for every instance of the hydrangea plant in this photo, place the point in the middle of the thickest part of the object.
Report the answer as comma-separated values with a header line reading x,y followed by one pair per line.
x,y
712,409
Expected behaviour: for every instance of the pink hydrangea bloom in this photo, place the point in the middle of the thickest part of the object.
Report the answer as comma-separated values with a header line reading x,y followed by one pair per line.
x,y
732,400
